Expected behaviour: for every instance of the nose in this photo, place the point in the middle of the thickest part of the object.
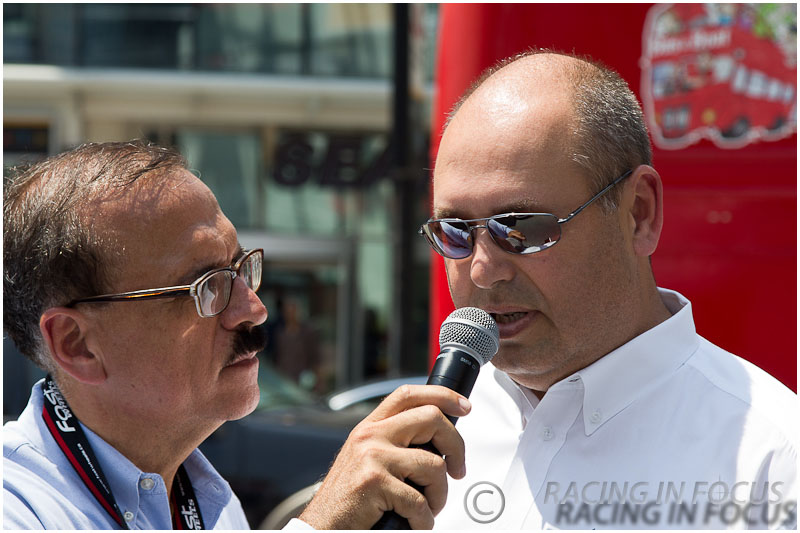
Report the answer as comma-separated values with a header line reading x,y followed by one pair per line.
x,y
244,307
489,265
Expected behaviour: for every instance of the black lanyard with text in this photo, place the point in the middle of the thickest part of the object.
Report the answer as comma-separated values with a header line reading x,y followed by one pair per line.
x,y
73,442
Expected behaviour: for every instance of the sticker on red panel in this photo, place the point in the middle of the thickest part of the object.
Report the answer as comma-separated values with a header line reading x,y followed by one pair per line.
x,y
724,72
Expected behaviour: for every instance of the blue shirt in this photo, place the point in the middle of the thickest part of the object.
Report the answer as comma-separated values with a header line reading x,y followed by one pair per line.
x,y
41,489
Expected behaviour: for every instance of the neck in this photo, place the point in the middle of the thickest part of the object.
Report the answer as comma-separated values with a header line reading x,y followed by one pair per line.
x,y
153,447
654,312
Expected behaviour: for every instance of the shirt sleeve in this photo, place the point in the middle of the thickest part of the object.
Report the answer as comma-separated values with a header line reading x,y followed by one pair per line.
x,y
295,524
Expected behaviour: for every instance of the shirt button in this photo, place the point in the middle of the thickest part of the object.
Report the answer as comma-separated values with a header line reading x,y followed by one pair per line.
x,y
547,433
147,483
597,416
128,516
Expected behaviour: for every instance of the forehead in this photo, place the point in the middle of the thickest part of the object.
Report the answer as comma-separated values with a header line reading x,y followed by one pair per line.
x,y
164,226
507,150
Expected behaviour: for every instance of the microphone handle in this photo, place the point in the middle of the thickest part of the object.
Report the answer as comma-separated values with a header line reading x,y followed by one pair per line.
x,y
457,371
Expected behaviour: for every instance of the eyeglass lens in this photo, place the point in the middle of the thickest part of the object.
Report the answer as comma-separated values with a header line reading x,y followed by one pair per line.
x,y
519,234
214,292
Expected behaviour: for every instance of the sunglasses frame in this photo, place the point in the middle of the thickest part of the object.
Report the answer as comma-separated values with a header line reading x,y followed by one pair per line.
x,y
179,290
426,232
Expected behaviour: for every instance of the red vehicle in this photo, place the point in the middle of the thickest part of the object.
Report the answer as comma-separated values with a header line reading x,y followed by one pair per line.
x,y
725,72
729,242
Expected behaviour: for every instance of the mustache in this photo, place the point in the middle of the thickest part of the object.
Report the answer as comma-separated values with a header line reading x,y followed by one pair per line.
x,y
506,295
248,340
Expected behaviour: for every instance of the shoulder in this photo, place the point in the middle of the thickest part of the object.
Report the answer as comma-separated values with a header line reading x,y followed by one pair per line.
x,y
37,492
750,391
17,514
35,496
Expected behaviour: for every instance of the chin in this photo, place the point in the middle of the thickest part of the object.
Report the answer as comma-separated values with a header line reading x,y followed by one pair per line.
x,y
523,368
241,397
513,358
244,405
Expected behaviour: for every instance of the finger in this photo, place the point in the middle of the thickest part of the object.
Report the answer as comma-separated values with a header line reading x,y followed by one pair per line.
x,y
425,424
409,503
423,468
429,473
409,396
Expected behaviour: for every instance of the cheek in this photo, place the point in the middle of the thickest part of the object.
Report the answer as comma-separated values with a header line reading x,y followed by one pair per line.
x,y
583,278
159,336
459,281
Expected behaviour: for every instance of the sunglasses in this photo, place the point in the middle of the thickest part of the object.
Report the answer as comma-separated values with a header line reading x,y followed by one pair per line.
x,y
515,233
211,291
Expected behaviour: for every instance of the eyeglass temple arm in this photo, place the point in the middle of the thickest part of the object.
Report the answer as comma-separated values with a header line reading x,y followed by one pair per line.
x,y
169,292
595,197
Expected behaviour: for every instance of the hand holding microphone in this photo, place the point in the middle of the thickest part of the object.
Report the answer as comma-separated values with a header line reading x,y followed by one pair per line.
x,y
368,477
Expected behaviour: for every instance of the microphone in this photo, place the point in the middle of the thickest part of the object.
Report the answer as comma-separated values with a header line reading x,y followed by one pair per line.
x,y
468,339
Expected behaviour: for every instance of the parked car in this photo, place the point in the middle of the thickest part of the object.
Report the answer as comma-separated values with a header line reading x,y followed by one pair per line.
x,y
279,452
369,395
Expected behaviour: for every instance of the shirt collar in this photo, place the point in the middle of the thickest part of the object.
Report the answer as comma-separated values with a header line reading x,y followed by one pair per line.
x,y
616,380
523,397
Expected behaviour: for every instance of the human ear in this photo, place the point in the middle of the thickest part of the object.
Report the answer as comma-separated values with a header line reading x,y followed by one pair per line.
x,y
646,210
65,332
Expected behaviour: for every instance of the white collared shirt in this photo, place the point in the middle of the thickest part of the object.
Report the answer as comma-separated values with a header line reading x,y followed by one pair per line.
x,y
667,431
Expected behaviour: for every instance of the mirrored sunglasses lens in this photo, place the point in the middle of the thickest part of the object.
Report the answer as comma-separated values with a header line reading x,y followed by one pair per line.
x,y
525,234
215,293
451,239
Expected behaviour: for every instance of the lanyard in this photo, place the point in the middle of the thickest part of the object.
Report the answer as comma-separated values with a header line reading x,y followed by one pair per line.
x,y
70,437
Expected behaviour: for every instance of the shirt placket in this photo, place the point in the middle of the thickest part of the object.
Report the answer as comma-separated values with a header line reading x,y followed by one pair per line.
x,y
544,435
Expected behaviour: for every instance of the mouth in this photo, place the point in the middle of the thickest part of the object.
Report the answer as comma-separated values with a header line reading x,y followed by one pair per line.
x,y
511,322
245,359
508,318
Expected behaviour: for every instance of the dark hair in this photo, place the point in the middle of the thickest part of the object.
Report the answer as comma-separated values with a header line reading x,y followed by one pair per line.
x,y
610,133
52,251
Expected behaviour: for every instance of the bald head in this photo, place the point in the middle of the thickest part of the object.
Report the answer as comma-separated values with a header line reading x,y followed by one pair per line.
x,y
604,133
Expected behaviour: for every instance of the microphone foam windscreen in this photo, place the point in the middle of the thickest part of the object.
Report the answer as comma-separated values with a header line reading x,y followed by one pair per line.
x,y
473,328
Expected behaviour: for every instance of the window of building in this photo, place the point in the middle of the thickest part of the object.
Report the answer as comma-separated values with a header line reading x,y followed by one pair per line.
x,y
329,40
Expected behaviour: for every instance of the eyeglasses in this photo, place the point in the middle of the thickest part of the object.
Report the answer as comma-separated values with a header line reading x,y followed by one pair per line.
x,y
515,233
211,291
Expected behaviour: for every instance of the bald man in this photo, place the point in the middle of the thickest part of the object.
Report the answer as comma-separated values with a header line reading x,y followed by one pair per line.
x,y
603,407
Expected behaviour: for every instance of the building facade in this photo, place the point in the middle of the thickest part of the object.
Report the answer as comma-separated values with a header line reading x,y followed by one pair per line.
x,y
285,112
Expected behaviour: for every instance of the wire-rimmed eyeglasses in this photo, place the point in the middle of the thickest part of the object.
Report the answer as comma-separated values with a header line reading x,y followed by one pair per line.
x,y
211,291
515,233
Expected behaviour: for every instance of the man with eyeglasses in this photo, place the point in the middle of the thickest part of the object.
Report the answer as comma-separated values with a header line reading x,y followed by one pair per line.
x,y
127,284
124,280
